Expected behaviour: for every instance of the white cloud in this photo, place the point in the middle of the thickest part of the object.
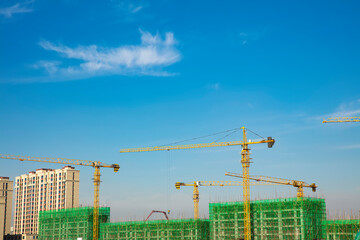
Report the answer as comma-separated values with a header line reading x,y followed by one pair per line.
x,y
50,66
355,146
345,109
136,9
248,37
147,58
8,12
243,37
127,10
348,109
129,6
215,86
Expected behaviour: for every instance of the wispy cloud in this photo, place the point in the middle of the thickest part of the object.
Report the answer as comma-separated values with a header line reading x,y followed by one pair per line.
x,y
50,66
247,37
244,37
354,146
8,12
345,109
148,58
130,6
135,9
128,10
214,86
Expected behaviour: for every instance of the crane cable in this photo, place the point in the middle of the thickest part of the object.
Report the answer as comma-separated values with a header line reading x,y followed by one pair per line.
x,y
209,135
168,158
236,129
255,133
230,132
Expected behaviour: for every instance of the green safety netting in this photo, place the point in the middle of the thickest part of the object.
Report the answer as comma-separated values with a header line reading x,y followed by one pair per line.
x,y
69,224
274,219
281,219
357,237
187,229
341,229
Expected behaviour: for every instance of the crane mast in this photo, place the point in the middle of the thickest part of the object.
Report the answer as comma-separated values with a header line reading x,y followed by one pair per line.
x,y
96,164
197,184
196,195
245,161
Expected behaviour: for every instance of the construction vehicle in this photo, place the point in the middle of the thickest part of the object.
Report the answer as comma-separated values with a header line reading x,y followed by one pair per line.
x,y
279,181
341,119
156,211
245,162
196,194
95,164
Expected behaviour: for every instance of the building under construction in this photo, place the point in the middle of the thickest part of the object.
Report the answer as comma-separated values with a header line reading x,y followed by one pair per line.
x,y
287,218
341,229
186,229
71,223
274,219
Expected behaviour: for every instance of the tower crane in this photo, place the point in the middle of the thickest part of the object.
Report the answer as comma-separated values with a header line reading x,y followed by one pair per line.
x,y
279,181
196,184
341,119
245,162
95,164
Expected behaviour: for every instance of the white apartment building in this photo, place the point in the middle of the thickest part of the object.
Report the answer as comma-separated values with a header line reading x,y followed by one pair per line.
x,y
44,189
6,193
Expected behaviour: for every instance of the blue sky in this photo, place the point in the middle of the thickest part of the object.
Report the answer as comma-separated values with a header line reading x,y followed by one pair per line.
x,y
83,79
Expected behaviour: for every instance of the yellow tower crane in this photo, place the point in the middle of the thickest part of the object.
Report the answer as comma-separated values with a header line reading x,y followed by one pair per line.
x,y
341,119
245,162
97,165
279,181
196,194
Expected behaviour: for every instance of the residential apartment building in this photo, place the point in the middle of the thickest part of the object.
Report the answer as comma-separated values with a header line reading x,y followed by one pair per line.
x,y
6,193
40,190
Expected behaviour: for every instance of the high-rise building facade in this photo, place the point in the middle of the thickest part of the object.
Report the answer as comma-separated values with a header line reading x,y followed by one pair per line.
x,y
6,193
44,189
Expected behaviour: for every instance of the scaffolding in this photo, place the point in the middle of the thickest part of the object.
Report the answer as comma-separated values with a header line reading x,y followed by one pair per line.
x,y
70,223
275,219
341,229
179,229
